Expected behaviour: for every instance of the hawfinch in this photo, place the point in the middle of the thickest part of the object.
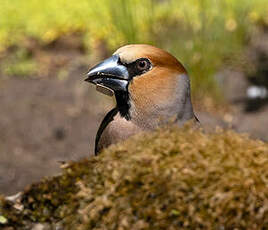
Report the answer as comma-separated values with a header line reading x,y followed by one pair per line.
x,y
151,87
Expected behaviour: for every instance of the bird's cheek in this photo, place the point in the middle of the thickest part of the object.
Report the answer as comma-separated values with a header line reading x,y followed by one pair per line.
x,y
146,95
138,95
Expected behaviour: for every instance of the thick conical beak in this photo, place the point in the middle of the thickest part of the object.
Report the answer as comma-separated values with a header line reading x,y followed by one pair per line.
x,y
110,74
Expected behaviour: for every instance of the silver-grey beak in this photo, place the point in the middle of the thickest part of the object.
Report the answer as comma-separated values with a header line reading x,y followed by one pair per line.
x,y
110,73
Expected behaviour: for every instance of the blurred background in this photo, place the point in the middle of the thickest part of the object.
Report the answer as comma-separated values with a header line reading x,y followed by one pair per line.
x,y
49,115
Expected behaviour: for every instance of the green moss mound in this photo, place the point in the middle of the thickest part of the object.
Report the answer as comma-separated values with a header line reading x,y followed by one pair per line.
x,y
169,179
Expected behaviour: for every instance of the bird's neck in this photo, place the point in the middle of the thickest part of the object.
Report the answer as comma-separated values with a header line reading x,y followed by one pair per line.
x,y
154,115
159,116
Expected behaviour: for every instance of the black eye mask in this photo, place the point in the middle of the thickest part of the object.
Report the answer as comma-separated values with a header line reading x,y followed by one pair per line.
x,y
138,67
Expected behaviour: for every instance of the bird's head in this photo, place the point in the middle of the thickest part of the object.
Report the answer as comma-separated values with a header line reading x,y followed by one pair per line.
x,y
149,84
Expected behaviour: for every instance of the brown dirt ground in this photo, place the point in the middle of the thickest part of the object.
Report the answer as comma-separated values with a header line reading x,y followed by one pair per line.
x,y
43,122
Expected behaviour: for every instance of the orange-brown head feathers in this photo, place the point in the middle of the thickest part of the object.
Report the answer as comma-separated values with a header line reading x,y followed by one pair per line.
x,y
149,84
161,92
158,57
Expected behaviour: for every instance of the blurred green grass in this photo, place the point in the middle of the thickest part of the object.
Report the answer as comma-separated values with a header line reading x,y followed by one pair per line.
x,y
202,34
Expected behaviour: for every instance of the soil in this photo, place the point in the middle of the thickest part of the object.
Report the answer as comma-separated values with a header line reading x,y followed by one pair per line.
x,y
48,120
44,122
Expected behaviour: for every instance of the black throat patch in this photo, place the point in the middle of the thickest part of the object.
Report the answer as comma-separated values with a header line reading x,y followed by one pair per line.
x,y
123,105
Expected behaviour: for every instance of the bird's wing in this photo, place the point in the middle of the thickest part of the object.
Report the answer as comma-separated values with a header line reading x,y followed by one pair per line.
x,y
107,119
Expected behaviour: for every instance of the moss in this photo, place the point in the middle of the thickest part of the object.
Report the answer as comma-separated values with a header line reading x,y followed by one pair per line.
x,y
168,179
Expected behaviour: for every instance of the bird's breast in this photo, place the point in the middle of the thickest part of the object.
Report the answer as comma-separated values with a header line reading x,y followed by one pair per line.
x,y
117,130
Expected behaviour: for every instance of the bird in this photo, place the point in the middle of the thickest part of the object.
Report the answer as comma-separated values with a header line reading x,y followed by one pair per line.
x,y
151,88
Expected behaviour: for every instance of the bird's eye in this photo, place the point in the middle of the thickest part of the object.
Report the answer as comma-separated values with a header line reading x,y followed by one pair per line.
x,y
143,65
138,67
